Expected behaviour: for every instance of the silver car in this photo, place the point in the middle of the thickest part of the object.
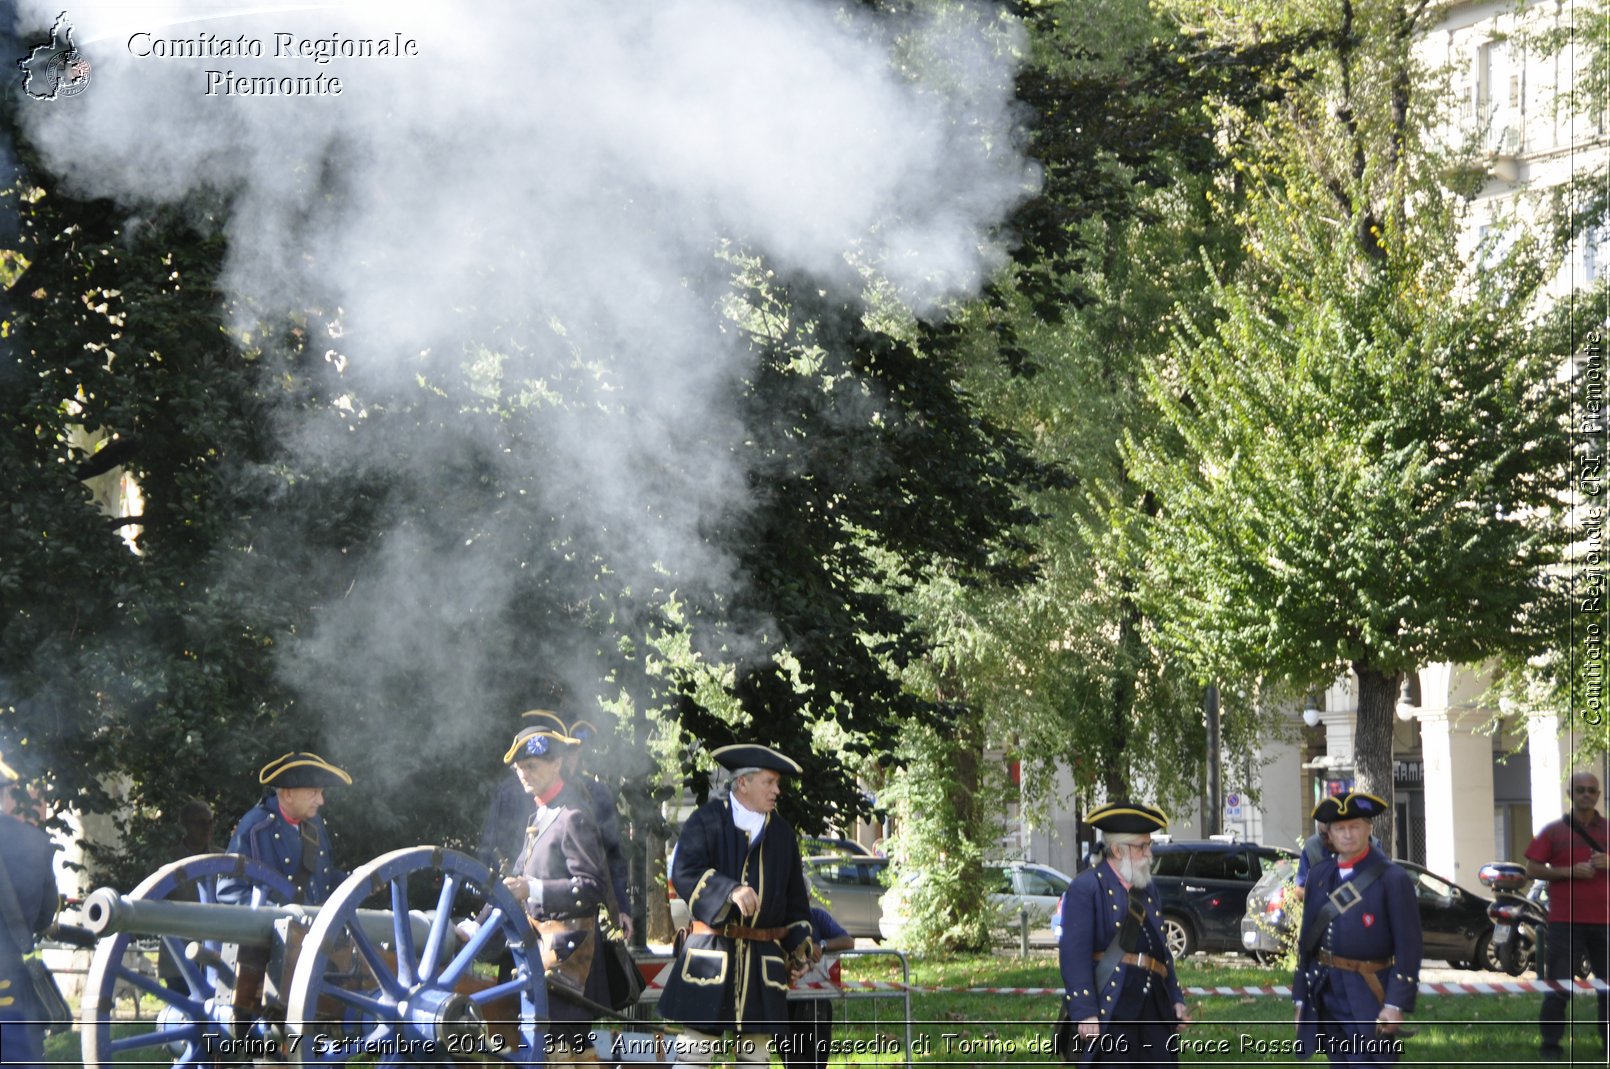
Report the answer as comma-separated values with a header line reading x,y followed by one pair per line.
x,y
851,888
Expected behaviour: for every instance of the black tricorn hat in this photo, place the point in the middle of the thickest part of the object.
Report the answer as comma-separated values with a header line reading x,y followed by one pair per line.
x,y
1355,805
1126,817
301,768
538,742
753,755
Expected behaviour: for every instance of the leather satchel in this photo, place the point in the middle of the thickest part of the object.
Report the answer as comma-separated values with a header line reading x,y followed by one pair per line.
x,y
620,968
54,1012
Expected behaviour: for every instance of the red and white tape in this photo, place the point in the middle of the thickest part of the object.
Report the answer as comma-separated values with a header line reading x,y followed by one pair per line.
x,y
1506,987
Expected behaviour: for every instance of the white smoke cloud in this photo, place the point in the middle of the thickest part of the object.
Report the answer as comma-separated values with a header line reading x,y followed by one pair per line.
x,y
565,164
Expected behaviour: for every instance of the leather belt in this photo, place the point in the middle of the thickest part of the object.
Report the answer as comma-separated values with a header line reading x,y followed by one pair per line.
x,y
1145,961
738,931
1366,969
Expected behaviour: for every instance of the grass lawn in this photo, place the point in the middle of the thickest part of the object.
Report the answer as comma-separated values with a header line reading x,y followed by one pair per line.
x,y
991,1029
974,1029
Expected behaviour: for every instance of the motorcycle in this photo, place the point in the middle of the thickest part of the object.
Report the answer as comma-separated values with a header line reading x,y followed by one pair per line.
x,y
1520,919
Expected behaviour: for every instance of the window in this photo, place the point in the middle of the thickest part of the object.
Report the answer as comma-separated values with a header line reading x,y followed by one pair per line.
x,y
844,873
999,881
1170,863
1432,889
1219,865
1596,253
1036,882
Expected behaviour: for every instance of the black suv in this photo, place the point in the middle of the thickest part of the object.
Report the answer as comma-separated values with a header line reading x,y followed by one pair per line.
x,y
1204,887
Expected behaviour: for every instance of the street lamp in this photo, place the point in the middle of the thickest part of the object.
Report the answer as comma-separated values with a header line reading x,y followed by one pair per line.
x,y
1407,701
1311,710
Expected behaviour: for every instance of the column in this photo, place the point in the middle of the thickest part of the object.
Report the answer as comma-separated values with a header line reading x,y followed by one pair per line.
x,y
1458,793
1549,753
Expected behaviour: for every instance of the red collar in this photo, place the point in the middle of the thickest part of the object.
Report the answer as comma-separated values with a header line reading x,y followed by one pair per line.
x,y
1353,861
552,792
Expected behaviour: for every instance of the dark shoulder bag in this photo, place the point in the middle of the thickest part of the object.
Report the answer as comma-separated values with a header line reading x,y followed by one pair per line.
x,y
56,1015
620,968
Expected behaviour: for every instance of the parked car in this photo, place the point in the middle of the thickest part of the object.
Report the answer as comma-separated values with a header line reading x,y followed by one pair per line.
x,y
1453,921
1015,887
850,887
1203,885
815,846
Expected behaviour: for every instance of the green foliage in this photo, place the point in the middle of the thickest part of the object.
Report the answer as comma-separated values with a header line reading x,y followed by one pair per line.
x,y
946,798
258,612
1069,666
1374,459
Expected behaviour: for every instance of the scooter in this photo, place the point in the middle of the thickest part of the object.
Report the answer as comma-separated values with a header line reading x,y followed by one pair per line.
x,y
1520,919
1519,914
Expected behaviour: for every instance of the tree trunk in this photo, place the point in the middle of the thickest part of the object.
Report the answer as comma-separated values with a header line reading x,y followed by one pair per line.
x,y
1372,744
1115,776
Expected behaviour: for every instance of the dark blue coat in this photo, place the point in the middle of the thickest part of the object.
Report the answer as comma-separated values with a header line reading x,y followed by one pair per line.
x,y
28,856
265,835
1384,924
1093,909
719,984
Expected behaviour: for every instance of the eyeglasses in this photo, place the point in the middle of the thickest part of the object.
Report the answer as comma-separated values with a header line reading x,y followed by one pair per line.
x,y
1585,790
1137,848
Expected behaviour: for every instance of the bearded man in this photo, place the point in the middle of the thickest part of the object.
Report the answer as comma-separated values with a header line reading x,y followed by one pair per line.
x,y
1120,988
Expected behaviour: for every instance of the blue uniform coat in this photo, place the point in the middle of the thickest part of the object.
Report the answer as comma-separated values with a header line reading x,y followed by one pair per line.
x,y
264,834
719,984
1384,924
1093,909
29,856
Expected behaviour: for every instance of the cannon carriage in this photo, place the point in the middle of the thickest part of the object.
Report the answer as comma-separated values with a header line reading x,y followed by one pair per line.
x,y
363,976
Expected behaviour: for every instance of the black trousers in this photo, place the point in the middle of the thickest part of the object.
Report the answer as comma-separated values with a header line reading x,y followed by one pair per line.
x,y
812,1028
1567,944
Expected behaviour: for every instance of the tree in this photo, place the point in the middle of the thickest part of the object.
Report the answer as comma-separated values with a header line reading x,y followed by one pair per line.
x,y
1374,459
1070,665
275,603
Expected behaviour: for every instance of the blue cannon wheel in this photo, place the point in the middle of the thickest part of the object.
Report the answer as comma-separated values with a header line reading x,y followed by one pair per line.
x,y
389,985
190,1026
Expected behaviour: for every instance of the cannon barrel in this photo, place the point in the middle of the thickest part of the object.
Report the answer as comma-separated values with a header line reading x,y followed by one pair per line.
x,y
106,912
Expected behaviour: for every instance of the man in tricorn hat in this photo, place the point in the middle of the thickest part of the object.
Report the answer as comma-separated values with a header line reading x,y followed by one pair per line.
x,y
1358,953
1122,993
508,813
561,880
738,868
285,832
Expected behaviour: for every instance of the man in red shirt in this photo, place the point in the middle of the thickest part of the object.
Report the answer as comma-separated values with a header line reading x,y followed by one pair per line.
x,y
1570,854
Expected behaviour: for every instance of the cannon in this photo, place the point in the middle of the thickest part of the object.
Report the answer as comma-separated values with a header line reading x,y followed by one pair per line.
x,y
264,979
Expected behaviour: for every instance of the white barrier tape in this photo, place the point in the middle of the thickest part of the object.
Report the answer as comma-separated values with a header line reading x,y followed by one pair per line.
x,y
1509,987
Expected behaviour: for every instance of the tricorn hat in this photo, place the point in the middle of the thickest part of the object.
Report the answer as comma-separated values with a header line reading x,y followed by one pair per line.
x,y
744,755
538,742
546,719
301,768
583,731
1355,805
1126,817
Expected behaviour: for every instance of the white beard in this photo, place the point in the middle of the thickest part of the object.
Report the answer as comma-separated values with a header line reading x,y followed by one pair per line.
x,y
1137,876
